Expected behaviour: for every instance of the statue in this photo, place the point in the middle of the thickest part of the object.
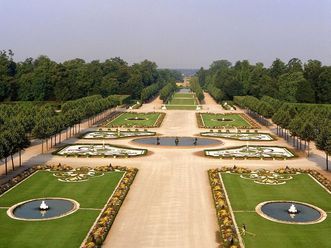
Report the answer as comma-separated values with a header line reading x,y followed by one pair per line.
x,y
43,206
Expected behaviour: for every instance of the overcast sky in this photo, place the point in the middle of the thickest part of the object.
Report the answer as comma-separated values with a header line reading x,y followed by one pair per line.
x,y
173,33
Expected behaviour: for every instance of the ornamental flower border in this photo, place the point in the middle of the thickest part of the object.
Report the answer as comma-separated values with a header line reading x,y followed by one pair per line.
x,y
105,220
229,236
253,124
157,123
103,223
223,212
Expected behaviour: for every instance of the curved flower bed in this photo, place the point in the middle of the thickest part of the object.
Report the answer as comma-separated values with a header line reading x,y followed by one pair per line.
x,y
81,174
263,176
99,232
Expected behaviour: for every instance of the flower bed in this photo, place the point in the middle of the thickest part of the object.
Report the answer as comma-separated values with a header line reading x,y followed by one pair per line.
x,y
115,134
228,232
99,232
254,152
99,150
240,136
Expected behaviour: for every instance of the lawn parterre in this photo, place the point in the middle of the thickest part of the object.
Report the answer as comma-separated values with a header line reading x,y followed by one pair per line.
x,y
137,120
99,150
99,198
236,198
228,120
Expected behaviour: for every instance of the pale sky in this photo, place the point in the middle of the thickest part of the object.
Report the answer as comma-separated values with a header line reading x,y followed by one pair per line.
x,y
173,33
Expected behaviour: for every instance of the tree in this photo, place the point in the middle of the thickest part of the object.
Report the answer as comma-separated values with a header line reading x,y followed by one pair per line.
x,y
323,89
307,133
293,87
277,69
323,142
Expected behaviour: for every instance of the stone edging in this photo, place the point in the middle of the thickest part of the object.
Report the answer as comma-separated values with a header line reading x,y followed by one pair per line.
x,y
319,220
12,208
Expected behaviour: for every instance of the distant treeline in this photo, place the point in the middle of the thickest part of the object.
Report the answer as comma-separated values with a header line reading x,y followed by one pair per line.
x,y
292,82
42,79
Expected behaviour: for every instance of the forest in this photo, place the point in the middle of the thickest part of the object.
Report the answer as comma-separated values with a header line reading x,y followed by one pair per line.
x,y
42,79
293,81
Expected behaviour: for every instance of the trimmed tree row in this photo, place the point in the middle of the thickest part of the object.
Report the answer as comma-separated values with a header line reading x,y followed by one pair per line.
x,y
302,123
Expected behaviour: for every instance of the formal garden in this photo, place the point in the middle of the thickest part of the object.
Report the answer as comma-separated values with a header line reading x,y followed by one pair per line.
x,y
136,120
116,134
86,225
286,207
99,150
251,152
239,136
228,120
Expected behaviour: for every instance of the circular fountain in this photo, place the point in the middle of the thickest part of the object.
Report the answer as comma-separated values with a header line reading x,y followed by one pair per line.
x,y
177,141
137,119
43,209
291,212
224,119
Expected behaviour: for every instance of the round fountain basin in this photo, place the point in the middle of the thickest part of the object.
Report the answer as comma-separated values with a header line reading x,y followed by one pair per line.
x,y
30,211
224,119
182,141
278,211
136,119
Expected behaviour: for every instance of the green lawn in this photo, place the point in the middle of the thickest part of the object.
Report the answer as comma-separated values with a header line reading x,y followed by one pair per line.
x,y
68,231
244,195
184,95
181,107
215,121
182,101
150,120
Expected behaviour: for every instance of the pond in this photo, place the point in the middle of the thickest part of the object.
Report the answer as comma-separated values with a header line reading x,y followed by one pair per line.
x,y
291,212
30,210
177,141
